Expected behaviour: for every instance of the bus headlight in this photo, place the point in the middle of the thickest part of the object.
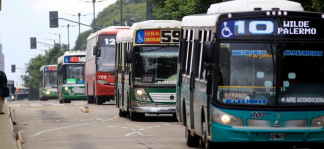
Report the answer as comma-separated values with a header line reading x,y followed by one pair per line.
x,y
144,97
66,88
12,97
226,119
48,92
102,82
139,92
317,122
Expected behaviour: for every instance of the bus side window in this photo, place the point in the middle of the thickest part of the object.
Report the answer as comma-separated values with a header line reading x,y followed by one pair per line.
x,y
199,53
207,38
189,48
183,51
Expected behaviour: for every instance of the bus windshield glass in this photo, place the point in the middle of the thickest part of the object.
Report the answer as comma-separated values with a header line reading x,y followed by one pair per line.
x,y
50,79
301,69
156,65
106,61
73,74
246,73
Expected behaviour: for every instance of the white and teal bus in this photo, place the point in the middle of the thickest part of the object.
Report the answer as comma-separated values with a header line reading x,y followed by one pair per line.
x,y
70,84
48,82
252,72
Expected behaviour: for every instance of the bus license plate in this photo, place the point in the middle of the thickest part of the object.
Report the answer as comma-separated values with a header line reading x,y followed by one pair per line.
x,y
277,136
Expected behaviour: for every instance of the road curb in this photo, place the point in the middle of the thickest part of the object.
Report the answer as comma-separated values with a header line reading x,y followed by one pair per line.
x,y
13,118
84,109
20,140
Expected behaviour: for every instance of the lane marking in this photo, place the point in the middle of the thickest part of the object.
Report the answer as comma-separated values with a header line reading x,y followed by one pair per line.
x,y
35,105
130,133
58,129
14,105
157,143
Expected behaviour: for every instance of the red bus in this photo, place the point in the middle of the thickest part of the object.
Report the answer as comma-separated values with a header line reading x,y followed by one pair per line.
x,y
100,65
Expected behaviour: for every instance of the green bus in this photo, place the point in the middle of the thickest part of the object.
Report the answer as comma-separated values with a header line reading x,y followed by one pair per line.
x,y
146,66
70,84
48,82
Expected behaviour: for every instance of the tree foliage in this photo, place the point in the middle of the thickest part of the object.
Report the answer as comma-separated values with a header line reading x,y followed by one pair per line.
x,y
50,58
177,9
131,8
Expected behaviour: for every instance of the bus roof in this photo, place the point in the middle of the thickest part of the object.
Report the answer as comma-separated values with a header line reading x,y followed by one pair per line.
x,y
127,35
72,53
237,6
42,68
108,30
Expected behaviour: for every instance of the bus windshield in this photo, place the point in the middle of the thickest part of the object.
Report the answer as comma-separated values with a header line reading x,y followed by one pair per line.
x,y
155,65
50,79
106,61
73,74
247,74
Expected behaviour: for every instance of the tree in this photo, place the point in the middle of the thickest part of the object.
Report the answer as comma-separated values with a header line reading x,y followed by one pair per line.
x,y
50,58
177,9
131,8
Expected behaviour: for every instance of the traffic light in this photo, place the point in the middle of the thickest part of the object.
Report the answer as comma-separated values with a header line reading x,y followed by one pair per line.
x,y
13,68
33,43
116,22
130,21
53,16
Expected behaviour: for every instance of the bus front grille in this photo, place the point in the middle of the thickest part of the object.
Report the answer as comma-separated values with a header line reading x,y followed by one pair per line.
x,y
163,97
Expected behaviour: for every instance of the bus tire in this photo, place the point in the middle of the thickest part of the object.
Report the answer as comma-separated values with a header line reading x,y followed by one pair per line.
x,y
207,144
192,141
133,116
99,100
122,113
90,99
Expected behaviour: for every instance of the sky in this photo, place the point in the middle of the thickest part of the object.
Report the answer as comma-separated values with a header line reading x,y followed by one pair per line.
x,y
22,19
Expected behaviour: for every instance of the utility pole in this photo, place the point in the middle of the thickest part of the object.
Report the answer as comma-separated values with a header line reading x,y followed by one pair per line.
x,y
121,13
147,10
94,14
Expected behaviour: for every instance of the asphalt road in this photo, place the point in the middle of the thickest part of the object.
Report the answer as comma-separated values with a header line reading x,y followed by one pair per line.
x,y
50,125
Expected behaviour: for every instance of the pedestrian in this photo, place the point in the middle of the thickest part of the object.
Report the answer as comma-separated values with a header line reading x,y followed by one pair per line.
x,y
4,90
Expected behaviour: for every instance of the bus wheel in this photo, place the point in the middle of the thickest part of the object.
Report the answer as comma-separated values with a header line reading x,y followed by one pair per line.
x,y
122,113
90,99
99,100
133,116
208,144
192,141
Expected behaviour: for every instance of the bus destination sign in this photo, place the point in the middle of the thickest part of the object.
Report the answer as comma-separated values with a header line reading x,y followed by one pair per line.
x,y
74,59
49,68
271,28
157,36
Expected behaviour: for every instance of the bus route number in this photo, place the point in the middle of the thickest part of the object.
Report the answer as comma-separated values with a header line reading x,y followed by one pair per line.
x,y
170,36
110,41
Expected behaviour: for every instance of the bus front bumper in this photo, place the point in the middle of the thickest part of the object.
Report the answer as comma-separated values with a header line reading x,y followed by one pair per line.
x,y
155,110
241,134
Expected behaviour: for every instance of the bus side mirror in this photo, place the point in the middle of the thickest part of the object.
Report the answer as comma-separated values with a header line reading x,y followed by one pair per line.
x,y
95,50
208,48
129,56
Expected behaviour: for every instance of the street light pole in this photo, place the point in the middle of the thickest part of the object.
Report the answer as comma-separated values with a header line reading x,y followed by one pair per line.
x,y
94,15
79,14
121,13
79,17
68,29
